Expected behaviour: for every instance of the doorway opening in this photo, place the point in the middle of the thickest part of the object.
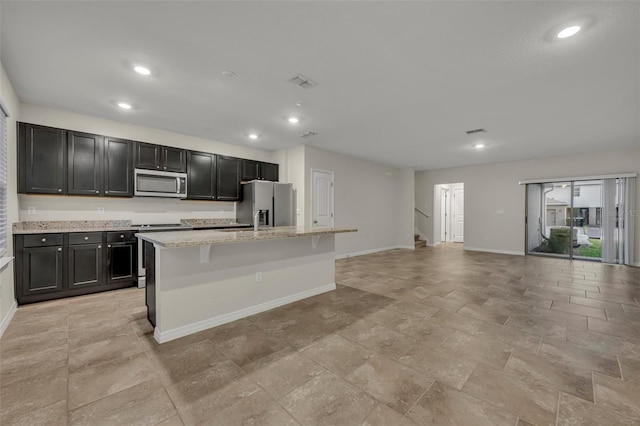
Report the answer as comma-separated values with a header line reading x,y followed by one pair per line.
x,y
449,224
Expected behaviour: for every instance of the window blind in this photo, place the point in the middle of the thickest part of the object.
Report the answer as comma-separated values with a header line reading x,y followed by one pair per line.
x,y
3,181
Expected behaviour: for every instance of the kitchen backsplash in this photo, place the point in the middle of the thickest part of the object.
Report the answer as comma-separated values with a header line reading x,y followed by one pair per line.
x,y
137,210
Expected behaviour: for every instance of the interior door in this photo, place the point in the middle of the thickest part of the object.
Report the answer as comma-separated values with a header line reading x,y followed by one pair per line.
x,y
322,198
458,215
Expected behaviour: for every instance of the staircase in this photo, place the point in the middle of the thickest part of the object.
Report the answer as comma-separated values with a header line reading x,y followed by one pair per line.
x,y
418,242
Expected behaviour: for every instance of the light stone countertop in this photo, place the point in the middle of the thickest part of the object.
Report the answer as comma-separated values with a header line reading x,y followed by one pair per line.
x,y
52,227
174,239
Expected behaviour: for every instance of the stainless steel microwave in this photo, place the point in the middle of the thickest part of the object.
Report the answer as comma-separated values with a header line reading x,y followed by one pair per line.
x,y
150,183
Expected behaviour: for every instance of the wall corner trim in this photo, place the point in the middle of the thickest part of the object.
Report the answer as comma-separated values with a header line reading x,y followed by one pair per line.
x,y
7,318
371,251
487,250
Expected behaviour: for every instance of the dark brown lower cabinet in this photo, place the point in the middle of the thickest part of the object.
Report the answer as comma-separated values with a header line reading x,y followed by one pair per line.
x,y
53,266
85,265
42,270
150,286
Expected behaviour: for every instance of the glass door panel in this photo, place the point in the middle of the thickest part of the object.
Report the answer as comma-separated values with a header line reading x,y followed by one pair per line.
x,y
549,219
587,219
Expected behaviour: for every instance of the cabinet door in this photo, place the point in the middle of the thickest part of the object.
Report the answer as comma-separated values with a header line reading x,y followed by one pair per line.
x,y
84,164
118,168
42,270
269,171
228,178
121,262
148,156
201,173
174,159
85,265
42,161
250,170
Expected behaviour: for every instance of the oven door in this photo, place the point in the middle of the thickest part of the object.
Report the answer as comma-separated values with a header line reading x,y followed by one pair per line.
x,y
150,183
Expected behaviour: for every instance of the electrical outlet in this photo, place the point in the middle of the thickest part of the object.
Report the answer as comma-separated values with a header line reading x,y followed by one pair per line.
x,y
31,210
100,210
258,277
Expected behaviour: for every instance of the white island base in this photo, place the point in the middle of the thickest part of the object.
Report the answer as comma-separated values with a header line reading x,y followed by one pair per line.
x,y
197,287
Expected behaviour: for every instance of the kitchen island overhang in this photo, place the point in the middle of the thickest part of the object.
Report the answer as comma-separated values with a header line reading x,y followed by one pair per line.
x,y
201,279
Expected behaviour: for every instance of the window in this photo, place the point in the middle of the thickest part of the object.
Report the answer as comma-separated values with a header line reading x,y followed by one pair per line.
x,y
3,180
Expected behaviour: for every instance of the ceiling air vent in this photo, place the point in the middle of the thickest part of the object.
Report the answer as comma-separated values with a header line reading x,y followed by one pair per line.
x,y
308,134
471,132
302,81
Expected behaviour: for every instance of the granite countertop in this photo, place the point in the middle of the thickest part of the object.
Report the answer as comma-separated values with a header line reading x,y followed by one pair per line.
x,y
64,226
50,227
173,239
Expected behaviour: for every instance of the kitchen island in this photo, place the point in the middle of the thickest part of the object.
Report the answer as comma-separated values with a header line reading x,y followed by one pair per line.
x,y
201,279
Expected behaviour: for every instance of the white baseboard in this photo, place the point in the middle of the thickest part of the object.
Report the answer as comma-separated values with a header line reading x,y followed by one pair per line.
x,y
7,318
377,250
165,336
511,252
433,244
637,265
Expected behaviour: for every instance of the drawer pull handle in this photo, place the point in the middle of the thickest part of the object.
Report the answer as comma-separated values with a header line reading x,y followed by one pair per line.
x,y
59,248
97,192
121,236
44,240
106,192
59,189
108,245
86,238
99,247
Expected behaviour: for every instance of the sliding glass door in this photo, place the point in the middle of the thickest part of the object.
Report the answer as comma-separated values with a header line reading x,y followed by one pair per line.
x,y
582,219
564,219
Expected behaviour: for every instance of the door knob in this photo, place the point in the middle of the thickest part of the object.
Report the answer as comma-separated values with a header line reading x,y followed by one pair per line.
x,y
44,240
315,221
86,238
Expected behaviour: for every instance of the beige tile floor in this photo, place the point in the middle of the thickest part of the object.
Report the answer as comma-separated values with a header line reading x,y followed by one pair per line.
x,y
435,336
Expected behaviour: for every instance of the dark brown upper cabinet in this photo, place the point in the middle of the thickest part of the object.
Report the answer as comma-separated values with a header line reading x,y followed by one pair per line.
x,y
269,171
84,163
174,159
118,167
201,176
148,156
41,160
228,182
250,170
158,157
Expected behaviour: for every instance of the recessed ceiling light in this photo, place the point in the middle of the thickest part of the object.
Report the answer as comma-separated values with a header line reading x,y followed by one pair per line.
x,y
569,31
253,136
142,70
228,74
478,145
124,105
299,104
293,120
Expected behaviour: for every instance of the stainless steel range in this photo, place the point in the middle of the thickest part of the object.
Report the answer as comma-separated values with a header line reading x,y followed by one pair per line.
x,y
158,227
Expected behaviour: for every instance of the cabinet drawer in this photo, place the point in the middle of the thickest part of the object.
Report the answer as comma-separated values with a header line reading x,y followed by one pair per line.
x,y
116,237
85,238
43,240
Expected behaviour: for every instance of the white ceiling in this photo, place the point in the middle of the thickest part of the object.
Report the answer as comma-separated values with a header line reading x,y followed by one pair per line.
x,y
399,82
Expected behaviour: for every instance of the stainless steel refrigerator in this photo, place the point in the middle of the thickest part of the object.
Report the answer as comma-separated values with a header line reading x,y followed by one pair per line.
x,y
273,200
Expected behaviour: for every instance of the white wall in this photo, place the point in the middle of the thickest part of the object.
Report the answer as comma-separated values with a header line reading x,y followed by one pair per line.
x,y
139,210
376,199
490,188
10,101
